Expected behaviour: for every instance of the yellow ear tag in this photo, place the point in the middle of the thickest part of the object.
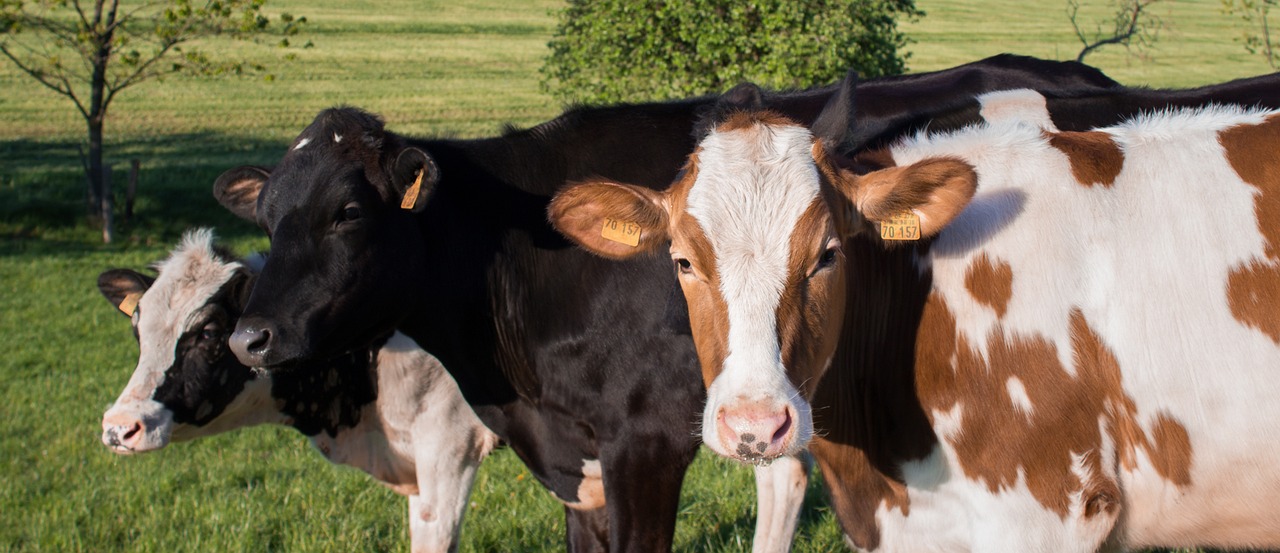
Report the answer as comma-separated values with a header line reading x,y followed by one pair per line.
x,y
129,304
622,232
411,195
903,226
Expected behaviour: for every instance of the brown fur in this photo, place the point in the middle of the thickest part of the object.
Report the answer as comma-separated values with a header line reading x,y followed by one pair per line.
x,y
990,283
1065,412
1253,290
1095,158
579,212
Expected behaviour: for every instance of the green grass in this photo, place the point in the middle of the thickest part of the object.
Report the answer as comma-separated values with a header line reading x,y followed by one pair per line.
x,y
438,68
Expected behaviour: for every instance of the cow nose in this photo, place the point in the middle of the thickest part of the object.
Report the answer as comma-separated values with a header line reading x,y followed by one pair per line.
x,y
757,431
122,432
252,341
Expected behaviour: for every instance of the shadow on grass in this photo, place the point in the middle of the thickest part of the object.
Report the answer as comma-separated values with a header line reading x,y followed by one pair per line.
x,y
43,191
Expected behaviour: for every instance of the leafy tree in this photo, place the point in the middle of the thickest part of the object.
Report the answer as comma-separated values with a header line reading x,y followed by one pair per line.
x,y
629,50
1131,25
91,50
1257,37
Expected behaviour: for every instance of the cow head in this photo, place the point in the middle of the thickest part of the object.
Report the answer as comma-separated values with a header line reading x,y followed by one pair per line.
x,y
186,383
756,224
345,247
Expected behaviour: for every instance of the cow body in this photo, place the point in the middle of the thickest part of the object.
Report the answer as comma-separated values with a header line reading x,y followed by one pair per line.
x,y
584,366
391,410
1075,357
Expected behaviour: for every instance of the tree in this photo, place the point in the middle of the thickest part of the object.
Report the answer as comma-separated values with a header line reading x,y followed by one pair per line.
x,y
91,50
1132,26
628,50
1257,37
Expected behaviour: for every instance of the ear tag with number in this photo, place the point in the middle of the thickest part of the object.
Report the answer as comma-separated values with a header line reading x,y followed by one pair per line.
x,y
411,195
903,226
622,232
129,304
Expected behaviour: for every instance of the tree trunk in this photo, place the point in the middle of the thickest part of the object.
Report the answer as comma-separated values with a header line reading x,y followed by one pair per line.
x,y
99,180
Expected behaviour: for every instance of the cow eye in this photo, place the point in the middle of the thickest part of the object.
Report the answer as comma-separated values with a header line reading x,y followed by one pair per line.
x,y
827,259
684,266
350,212
210,332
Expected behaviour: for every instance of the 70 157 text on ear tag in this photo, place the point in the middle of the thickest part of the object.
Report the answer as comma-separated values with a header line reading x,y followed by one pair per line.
x,y
903,226
622,232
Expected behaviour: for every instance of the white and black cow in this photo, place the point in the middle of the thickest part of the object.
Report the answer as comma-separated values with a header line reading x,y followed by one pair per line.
x,y
390,410
1009,337
584,366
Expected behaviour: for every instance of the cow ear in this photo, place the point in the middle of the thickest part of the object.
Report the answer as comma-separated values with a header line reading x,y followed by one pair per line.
x,y
609,219
837,122
413,178
238,189
745,96
934,190
123,288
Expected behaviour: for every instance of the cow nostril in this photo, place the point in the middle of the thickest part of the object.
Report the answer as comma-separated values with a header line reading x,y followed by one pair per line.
x,y
258,342
132,432
784,428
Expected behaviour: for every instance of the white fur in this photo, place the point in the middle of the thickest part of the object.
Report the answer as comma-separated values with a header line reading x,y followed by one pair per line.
x,y
301,143
780,488
751,241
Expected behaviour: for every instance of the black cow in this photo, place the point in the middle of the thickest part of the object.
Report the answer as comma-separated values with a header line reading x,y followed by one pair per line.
x,y
584,366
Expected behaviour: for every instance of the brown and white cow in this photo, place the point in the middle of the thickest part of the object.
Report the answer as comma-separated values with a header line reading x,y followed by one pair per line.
x,y
1075,349
390,410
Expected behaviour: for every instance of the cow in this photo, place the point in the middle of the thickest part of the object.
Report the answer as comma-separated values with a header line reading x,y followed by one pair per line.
x,y
1008,336
584,367
390,409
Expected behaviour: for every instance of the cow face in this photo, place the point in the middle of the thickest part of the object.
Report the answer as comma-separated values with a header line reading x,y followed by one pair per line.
x,y
345,248
755,225
187,383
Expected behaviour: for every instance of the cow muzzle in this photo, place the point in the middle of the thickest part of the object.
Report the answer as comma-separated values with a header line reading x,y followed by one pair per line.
x,y
755,431
126,433
254,341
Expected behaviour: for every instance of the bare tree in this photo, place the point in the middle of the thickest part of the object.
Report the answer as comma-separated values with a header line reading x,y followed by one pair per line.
x,y
1257,36
91,50
1132,25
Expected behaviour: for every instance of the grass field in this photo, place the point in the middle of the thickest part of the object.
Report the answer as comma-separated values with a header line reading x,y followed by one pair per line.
x,y
439,68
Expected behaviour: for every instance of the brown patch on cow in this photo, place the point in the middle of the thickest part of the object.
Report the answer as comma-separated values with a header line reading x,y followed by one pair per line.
x,y
1253,290
1253,293
808,316
857,490
1041,446
1251,150
1095,157
745,120
990,283
708,312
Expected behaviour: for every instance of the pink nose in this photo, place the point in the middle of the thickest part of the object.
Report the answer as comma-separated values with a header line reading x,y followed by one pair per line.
x,y
755,431
122,432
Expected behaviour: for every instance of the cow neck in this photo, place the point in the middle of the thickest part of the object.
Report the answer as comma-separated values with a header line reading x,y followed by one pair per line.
x,y
867,416
327,396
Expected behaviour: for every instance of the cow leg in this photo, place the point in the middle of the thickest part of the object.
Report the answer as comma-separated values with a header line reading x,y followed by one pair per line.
x,y
780,488
642,479
587,531
446,457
